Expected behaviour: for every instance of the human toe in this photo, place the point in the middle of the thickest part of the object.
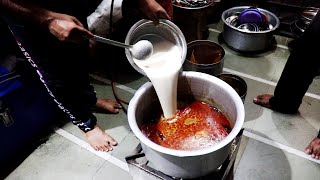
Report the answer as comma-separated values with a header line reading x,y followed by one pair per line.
x,y
95,148
114,110
112,142
98,148
314,148
108,147
263,100
309,148
109,140
307,151
117,105
315,154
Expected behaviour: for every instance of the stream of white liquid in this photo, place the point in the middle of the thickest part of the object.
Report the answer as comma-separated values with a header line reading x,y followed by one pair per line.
x,y
162,68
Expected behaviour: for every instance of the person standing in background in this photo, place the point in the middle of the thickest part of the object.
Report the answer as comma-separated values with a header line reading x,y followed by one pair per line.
x,y
302,66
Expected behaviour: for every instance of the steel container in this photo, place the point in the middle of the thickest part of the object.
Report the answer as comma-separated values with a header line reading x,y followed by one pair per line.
x,y
204,56
146,29
236,82
193,163
249,41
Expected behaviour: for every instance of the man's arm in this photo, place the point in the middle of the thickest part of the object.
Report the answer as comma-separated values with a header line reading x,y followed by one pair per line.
x,y
63,26
25,11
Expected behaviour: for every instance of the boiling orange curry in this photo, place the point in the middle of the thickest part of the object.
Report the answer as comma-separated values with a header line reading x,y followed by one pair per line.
x,y
196,126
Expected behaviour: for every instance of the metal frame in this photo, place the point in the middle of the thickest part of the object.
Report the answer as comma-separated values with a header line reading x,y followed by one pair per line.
x,y
222,173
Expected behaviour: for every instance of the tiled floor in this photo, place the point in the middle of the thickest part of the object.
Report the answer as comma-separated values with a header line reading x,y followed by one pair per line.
x,y
271,148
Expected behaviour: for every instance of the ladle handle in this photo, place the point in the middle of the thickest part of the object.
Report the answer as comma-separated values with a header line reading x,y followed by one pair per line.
x,y
112,42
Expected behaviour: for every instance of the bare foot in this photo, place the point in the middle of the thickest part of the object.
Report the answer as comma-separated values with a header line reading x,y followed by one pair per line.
x,y
314,148
100,140
108,105
263,100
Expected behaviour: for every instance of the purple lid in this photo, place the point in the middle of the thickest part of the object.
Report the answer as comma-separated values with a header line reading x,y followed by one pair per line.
x,y
251,15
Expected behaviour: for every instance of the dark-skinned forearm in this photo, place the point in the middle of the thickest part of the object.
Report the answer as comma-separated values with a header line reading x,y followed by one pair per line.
x,y
24,11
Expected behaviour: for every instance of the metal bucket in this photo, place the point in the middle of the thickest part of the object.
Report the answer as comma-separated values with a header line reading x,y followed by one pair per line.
x,y
196,17
204,56
193,163
146,29
237,83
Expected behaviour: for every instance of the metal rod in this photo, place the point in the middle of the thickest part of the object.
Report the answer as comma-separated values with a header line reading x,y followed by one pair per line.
x,y
112,42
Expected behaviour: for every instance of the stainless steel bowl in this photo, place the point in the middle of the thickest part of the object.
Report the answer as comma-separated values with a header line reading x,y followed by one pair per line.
x,y
248,41
186,5
236,82
204,56
146,29
249,27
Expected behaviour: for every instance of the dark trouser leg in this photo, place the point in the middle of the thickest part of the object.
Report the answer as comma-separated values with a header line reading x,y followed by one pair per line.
x,y
300,69
63,68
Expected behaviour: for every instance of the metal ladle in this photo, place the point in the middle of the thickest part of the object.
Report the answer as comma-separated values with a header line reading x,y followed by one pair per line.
x,y
140,50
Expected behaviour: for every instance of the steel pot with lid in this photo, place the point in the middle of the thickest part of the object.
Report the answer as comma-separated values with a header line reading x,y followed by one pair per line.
x,y
241,37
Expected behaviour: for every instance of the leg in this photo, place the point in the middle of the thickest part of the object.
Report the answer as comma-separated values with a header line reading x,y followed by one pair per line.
x,y
62,68
108,105
298,74
301,68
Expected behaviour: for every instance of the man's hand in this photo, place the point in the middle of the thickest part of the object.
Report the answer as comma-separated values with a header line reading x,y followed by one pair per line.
x,y
153,10
67,28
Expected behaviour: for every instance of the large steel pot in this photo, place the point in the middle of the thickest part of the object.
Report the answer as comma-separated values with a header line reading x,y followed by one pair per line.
x,y
242,40
196,163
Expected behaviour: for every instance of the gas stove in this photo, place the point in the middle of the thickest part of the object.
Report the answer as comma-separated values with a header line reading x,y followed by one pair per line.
x,y
141,169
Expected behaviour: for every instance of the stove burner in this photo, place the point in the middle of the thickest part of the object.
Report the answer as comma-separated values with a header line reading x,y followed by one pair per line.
x,y
141,169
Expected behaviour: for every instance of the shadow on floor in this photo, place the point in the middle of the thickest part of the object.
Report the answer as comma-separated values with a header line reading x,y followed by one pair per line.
x,y
15,160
